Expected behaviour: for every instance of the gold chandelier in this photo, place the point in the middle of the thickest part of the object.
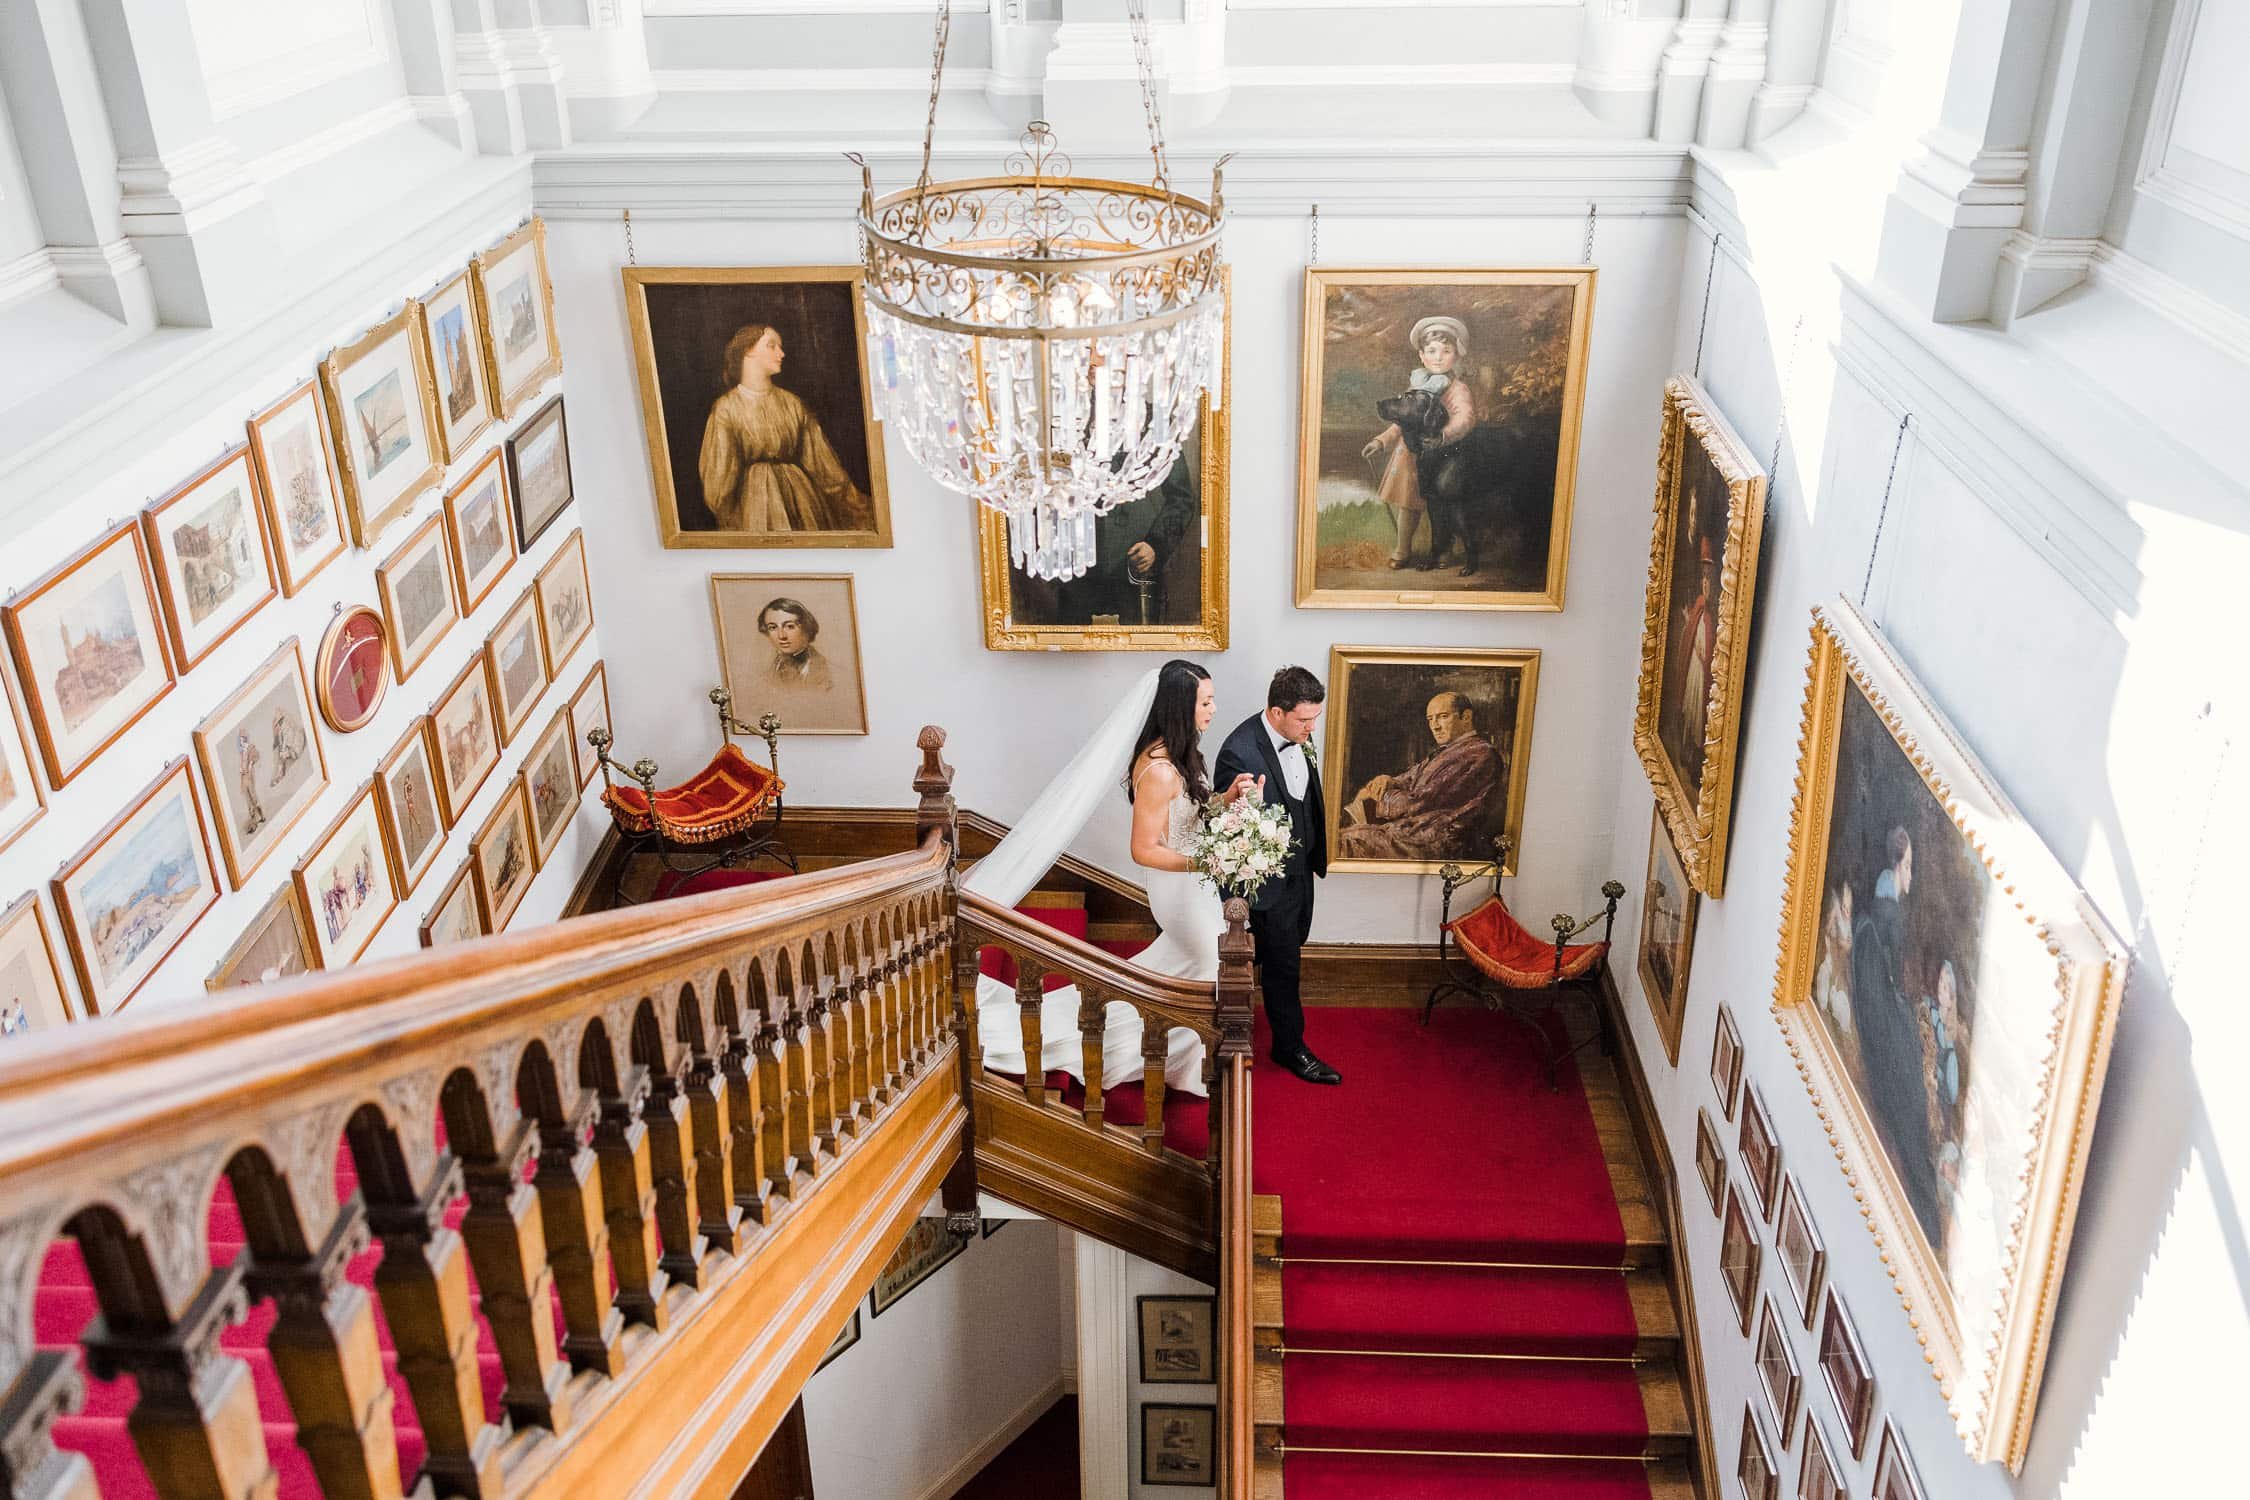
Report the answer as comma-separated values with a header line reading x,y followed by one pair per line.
x,y
1042,341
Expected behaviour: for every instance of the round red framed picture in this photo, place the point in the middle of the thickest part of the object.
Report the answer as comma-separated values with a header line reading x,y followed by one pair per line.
x,y
353,669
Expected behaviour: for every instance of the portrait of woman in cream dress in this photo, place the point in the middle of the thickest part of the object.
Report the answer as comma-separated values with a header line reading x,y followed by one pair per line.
x,y
766,465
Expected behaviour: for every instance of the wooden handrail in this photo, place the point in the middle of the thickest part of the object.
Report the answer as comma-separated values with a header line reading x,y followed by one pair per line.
x,y
687,1078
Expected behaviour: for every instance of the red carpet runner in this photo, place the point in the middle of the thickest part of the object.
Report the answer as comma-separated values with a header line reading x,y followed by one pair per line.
x,y
1444,1145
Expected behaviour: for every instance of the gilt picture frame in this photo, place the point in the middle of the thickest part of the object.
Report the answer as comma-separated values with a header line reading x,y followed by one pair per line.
x,y
297,485
1695,634
90,649
453,331
382,414
458,914
516,663
1949,995
566,602
33,996
515,302
207,539
1400,799
351,670
706,430
420,602
589,709
464,738
1669,906
502,858
276,945
551,787
480,529
23,798
134,892
262,760
414,824
789,644
347,882
1515,374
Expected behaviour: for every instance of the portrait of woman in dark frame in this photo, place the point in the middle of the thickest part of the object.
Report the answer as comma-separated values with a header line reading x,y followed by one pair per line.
x,y
755,401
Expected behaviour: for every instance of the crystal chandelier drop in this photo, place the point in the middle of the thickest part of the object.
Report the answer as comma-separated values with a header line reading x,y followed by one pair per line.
x,y
1040,341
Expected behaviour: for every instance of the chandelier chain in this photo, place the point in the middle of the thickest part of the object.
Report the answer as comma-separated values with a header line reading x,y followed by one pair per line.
x,y
929,121
1136,15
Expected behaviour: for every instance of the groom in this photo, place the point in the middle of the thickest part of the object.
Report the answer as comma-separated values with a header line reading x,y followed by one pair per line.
x,y
1273,746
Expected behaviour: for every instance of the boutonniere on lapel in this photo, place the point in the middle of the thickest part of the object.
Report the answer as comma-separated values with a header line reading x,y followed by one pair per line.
x,y
1312,757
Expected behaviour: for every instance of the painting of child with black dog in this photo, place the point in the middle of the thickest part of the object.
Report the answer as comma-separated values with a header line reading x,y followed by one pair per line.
x,y
1440,437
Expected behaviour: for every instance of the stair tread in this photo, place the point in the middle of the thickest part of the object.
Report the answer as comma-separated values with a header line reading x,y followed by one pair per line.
x,y
1356,1476
1465,1309
1412,1401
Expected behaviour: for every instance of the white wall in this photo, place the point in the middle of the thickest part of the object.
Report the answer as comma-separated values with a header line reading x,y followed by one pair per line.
x,y
80,810
1014,717
2066,625
911,1411
1109,1283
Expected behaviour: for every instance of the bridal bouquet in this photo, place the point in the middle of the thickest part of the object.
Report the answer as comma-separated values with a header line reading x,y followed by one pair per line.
x,y
1242,845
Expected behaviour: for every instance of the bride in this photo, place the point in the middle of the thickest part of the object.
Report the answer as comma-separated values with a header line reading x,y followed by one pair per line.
x,y
1150,745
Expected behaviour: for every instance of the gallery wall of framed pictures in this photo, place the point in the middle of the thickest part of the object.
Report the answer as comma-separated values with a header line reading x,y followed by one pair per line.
x,y
276,629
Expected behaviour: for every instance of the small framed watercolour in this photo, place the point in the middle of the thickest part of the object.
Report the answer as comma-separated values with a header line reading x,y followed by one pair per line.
x,y
347,882
501,857
1819,1479
1710,1159
464,741
789,646
413,818
1796,1244
1894,1471
1756,1467
130,895
517,303
297,484
1668,912
1739,1253
276,945
458,915
517,665
90,649
550,782
380,407
416,585
1761,1152
1179,1445
478,526
1726,1060
453,329
1178,1343
262,761
23,801
209,544
350,675
589,709
32,997
539,472
1843,1369
566,602
846,1336
927,1247
1777,1365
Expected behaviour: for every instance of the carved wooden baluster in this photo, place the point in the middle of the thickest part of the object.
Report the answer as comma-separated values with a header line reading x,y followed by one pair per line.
x,y
672,1173
924,986
1093,1027
753,1192
796,1095
423,1280
31,1466
855,1102
629,1204
1030,984
882,984
773,1121
507,1239
568,1180
711,1120
964,971
820,1063
330,1360
1156,1046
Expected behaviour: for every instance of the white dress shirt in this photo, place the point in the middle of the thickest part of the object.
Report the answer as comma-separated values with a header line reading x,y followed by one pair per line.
x,y
1295,774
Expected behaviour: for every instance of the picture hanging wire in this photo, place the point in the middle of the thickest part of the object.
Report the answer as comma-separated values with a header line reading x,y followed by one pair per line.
x,y
631,258
1312,256
1587,255
1788,384
1882,511
1703,319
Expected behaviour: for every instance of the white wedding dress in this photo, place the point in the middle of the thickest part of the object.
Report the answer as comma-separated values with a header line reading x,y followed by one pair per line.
x,y
1186,908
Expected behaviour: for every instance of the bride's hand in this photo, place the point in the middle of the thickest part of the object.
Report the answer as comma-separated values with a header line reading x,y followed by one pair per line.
x,y
1244,785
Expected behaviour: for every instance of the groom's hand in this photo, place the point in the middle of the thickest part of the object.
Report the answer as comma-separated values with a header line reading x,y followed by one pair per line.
x,y
1246,785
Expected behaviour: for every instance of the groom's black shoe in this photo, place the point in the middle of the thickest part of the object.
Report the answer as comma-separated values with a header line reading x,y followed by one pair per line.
x,y
1308,1067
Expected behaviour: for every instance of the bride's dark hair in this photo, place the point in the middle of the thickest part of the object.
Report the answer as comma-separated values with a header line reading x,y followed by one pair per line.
x,y
1171,723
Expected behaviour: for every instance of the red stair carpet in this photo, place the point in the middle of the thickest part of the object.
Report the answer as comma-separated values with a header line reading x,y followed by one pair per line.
x,y
1439,1209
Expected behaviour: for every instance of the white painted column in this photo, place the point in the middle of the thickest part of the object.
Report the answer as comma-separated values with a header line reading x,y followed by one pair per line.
x,y
1958,200
426,54
1105,1369
1619,54
1684,69
1090,87
604,51
486,79
1738,67
69,158
538,73
1793,42
188,204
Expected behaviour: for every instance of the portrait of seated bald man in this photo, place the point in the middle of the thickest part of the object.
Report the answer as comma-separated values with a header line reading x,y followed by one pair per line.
x,y
1448,803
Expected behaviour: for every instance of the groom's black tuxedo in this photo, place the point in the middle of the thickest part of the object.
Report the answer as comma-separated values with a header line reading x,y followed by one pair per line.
x,y
1281,916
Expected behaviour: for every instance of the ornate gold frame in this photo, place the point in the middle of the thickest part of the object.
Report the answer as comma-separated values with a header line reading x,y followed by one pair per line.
x,y
1550,598
385,591
1670,1010
575,543
293,582
11,616
1990,1375
509,725
669,532
487,403
1699,827
286,895
394,841
445,899
313,856
1341,661
494,460
206,759
1209,632
588,763
79,958
512,803
510,401
152,529
366,528
454,811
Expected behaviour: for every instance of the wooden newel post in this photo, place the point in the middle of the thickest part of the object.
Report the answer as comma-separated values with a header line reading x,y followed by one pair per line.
x,y
937,811
1238,988
933,780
